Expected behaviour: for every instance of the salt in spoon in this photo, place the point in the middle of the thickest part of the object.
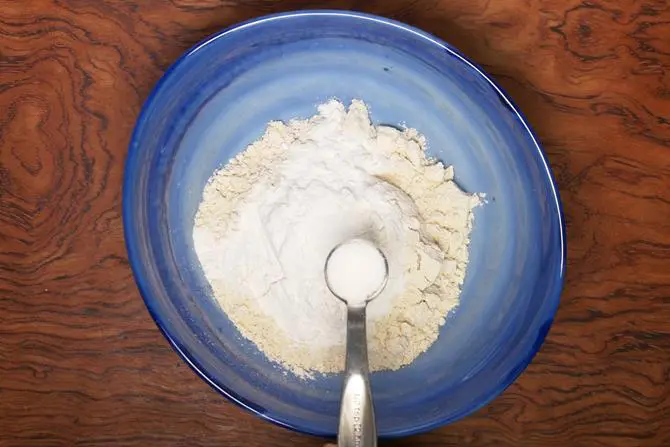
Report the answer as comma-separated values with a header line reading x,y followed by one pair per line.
x,y
356,272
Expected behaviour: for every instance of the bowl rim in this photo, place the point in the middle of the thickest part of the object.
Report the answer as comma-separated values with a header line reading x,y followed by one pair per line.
x,y
135,262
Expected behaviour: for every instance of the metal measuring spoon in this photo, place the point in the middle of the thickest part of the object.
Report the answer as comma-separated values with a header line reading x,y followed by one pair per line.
x,y
357,426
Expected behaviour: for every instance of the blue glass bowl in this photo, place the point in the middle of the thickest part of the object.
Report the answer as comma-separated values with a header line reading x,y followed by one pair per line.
x,y
218,98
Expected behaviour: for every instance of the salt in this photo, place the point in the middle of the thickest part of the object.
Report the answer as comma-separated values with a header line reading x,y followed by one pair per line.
x,y
356,271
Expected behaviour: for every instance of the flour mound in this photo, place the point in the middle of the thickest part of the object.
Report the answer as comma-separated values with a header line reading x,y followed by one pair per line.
x,y
269,218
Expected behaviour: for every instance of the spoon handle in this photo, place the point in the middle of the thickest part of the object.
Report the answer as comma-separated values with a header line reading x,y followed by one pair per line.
x,y
357,419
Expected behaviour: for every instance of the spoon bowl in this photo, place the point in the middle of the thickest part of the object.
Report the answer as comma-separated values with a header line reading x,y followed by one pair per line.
x,y
356,263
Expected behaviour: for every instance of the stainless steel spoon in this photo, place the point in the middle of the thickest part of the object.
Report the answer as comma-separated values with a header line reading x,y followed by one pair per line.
x,y
357,427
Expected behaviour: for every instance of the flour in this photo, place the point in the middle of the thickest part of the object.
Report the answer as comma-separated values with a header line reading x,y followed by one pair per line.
x,y
270,217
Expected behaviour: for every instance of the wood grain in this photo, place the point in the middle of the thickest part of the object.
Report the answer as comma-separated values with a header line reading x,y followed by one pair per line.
x,y
81,362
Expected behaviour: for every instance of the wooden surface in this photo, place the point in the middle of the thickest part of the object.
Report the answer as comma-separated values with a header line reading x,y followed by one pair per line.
x,y
81,362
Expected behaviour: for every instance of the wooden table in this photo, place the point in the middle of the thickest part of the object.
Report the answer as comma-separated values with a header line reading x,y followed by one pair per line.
x,y
82,363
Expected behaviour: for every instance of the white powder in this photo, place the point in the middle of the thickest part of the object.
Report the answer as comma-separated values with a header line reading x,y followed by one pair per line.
x,y
269,218
355,271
